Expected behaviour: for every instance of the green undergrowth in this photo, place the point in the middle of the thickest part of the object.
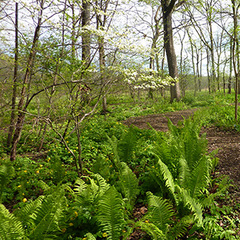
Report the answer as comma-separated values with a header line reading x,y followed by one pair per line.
x,y
169,176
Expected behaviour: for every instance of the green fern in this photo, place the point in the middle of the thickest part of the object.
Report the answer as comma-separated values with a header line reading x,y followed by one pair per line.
x,y
160,211
129,185
46,218
127,180
103,185
152,230
110,213
88,193
167,176
116,160
181,143
200,176
222,187
6,173
188,142
10,226
89,236
184,172
159,221
24,213
180,228
126,145
190,203
180,195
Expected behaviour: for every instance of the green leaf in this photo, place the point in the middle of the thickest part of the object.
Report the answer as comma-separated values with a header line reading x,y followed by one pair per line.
x,y
167,176
160,211
152,230
10,227
48,215
110,214
129,184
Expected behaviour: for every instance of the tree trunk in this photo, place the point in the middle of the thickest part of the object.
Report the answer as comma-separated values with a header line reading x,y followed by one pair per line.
x,y
230,67
224,81
208,72
235,53
102,63
86,40
193,63
73,37
15,75
213,82
167,8
200,72
25,86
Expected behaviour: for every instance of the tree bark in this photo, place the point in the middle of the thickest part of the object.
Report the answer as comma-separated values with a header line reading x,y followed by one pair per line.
x,y
86,40
167,8
25,86
15,75
193,63
235,53
101,50
230,67
73,33
213,82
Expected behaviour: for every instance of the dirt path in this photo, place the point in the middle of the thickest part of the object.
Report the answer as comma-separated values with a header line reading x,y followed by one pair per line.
x,y
228,143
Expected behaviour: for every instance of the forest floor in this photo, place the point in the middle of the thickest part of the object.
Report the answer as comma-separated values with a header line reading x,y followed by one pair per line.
x,y
227,143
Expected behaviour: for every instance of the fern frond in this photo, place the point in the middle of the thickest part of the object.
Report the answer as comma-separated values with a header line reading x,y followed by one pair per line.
x,y
89,236
191,203
88,193
160,211
222,188
184,172
103,185
44,186
129,184
80,186
48,215
194,146
110,214
174,130
6,173
180,228
127,145
10,226
167,176
152,230
24,213
114,144
200,177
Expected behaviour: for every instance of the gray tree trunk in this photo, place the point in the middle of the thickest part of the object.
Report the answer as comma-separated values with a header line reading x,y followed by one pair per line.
x,y
25,86
15,75
86,39
167,8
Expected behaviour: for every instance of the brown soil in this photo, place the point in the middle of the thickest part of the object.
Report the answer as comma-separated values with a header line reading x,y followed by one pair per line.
x,y
228,143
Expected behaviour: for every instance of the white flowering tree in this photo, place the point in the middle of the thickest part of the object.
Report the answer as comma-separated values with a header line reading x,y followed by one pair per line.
x,y
146,79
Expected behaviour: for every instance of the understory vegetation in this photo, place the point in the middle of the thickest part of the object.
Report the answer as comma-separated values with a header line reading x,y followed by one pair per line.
x,y
110,181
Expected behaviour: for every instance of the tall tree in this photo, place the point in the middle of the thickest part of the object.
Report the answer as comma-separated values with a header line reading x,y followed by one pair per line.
x,y
86,41
230,67
206,34
15,75
25,85
192,45
104,17
236,59
167,10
